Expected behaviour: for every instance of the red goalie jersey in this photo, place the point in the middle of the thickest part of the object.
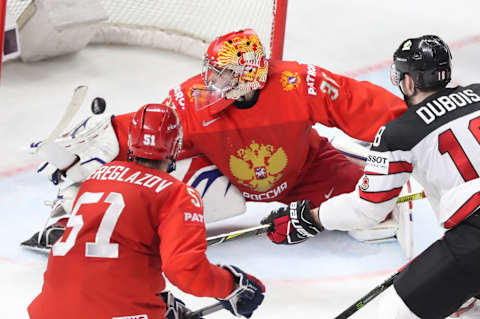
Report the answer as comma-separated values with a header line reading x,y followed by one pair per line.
x,y
270,151
118,242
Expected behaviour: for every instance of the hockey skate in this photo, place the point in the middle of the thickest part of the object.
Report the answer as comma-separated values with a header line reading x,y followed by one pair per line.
x,y
44,240
469,310
61,207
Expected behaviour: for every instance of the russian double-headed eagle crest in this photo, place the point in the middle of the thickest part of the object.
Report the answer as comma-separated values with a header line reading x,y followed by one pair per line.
x,y
258,166
289,80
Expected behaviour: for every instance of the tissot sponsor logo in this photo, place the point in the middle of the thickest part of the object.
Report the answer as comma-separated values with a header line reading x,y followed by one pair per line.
x,y
377,163
267,195
446,103
377,159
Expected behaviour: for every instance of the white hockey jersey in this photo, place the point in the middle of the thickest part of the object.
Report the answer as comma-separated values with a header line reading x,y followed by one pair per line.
x,y
438,142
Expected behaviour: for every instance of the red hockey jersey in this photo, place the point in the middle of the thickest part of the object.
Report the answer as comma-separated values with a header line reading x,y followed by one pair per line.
x,y
264,150
129,225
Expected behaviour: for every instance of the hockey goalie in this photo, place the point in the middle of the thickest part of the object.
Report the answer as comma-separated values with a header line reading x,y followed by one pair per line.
x,y
248,133
74,155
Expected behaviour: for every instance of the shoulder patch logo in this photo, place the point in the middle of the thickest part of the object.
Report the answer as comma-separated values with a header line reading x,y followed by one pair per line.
x,y
289,80
365,183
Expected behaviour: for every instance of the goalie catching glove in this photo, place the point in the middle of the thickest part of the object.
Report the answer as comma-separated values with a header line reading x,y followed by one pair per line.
x,y
247,295
292,224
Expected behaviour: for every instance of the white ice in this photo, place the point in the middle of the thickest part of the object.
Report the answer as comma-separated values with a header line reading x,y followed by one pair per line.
x,y
318,279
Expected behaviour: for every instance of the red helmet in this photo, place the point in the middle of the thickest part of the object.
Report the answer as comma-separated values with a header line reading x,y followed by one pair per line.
x,y
242,53
155,133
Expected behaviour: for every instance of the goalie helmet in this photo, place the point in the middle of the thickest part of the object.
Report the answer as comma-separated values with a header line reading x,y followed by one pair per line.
x,y
155,133
426,59
235,64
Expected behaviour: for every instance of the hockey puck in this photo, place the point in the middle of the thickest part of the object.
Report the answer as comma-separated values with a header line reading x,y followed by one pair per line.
x,y
98,105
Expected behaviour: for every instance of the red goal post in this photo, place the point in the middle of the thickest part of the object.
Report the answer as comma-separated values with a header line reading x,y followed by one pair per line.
x,y
3,12
47,29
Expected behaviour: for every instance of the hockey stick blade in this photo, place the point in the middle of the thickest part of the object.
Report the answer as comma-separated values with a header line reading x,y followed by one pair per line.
x,y
77,99
218,239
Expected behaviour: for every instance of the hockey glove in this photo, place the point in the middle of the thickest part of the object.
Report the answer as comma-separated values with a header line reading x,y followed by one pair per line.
x,y
292,224
58,176
247,295
175,308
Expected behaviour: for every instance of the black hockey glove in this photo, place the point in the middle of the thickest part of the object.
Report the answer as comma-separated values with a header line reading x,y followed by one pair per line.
x,y
176,308
58,176
292,224
247,295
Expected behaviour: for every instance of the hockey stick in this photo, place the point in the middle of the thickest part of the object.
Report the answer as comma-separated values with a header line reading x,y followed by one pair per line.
x,y
411,197
72,109
257,230
368,297
77,99
218,239
205,311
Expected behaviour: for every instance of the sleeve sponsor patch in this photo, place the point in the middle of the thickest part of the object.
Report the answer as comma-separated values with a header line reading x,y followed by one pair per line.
x,y
193,218
377,163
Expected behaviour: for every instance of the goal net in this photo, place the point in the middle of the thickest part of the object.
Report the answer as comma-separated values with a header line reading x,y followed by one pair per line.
x,y
52,27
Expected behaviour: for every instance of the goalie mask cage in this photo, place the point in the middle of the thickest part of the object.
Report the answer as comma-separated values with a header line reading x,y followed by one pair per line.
x,y
184,26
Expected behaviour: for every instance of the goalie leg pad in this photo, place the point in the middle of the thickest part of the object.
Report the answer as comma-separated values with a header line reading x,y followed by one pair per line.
x,y
221,199
398,226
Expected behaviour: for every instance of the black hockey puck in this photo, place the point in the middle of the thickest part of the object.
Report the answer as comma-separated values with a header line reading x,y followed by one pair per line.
x,y
98,105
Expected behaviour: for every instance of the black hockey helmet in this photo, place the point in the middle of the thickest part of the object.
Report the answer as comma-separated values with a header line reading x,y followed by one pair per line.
x,y
426,59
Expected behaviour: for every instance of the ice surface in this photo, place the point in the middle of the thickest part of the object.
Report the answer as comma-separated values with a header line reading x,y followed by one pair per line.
x,y
317,279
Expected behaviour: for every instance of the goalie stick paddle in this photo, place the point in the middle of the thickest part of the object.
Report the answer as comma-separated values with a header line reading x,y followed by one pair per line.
x,y
77,99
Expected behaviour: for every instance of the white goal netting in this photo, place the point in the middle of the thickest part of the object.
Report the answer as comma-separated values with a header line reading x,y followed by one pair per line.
x,y
185,26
